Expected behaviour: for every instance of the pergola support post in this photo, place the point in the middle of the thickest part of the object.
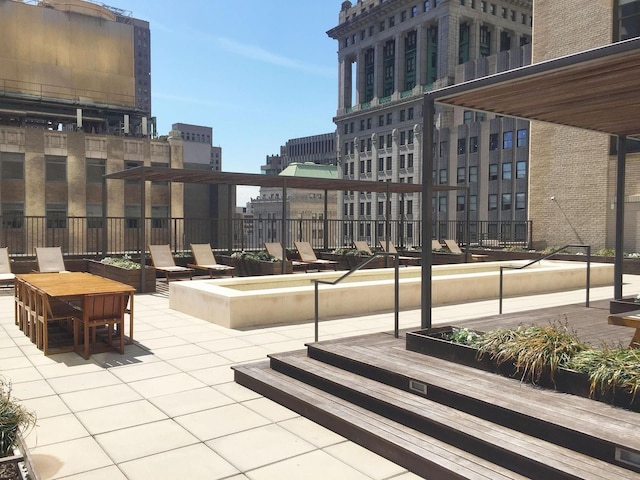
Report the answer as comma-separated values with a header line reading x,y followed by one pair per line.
x,y
619,246
428,110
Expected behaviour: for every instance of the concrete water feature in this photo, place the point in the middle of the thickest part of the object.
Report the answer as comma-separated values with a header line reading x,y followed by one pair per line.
x,y
243,302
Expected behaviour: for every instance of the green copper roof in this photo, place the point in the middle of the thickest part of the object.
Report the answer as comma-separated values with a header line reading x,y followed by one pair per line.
x,y
311,170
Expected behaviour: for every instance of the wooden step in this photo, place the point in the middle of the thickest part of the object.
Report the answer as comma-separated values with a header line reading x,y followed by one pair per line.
x,y
502,446
415,451
589,427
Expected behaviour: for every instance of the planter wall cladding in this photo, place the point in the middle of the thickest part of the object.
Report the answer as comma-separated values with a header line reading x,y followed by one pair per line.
x,y
123,275
432,342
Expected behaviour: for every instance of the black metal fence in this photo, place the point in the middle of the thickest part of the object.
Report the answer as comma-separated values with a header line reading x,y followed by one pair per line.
x,y
96,237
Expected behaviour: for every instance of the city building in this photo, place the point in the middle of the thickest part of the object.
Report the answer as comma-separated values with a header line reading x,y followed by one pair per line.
x,y
74,105
391,52
572,172
320,149
305,209
207,205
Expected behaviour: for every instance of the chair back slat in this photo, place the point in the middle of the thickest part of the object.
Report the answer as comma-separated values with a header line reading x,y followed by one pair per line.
x,y
161,256
50,259
202,254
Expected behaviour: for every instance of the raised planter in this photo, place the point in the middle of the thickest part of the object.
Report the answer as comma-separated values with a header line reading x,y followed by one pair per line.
x,y
249,267
18,466
431,342
124,275
624,305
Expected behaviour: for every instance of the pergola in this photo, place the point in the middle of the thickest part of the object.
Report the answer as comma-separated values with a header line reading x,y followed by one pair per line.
x,y
597,90
164,174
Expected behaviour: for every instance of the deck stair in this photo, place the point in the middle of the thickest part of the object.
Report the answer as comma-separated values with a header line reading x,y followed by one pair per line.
x,y
443,420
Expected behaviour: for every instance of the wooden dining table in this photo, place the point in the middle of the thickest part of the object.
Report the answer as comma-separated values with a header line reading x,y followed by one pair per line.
x,y
74,287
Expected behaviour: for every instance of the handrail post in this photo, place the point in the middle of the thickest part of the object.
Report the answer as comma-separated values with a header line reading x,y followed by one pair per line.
x,y
316,310
588,287
500,298
396,266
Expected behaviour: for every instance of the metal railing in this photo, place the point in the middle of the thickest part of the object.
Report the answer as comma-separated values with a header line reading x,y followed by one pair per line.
x,y
97,236
396,292
511,267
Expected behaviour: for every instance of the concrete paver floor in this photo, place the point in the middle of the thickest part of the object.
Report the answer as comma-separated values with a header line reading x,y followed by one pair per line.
x,y
169,407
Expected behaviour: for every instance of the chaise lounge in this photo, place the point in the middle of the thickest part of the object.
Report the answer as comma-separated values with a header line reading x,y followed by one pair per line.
x,y
206,260
163,262
275,250
307,255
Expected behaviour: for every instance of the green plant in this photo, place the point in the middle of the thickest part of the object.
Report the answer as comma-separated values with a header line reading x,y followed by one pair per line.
x,y
261,255
534,350
606,252
13,417
463,336
123,262
609,369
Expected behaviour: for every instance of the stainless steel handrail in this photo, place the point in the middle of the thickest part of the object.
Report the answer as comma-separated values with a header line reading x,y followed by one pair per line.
x,y
588,280
396,266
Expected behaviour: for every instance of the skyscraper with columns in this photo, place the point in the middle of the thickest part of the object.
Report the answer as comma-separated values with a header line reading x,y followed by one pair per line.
x,y
391,52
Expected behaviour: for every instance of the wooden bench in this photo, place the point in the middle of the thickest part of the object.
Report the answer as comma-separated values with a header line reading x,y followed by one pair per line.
x,y
628,319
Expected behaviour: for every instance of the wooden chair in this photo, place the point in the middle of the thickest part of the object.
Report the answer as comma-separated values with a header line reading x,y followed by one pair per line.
x,y
6,275
163,262
453,247
275,250
50,259
404,260
206,260
436,245
362,246
307,255
100,310
44,311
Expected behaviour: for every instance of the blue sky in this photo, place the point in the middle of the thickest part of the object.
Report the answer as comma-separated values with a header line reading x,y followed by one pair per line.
x,y
259,72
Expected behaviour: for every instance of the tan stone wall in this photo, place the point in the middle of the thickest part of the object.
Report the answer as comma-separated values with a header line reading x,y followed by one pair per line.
x,y
571,165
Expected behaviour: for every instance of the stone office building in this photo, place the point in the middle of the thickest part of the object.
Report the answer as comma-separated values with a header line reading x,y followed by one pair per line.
x,y
390,53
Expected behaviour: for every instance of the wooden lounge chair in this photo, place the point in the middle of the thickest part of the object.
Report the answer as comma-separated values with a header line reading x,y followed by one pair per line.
x,y
50,259
307,255
362,246
205,260
6,275
275,250
404,260
163,262
436,245
453,247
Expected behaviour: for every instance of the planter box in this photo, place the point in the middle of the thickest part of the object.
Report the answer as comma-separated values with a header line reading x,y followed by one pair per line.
x,y
20,464
249,267
624,305
123,275
431,342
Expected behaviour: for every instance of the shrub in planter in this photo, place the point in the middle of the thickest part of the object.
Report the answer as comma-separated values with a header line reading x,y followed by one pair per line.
x,y
13,418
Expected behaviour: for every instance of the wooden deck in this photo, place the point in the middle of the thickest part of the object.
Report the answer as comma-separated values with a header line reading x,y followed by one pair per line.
x,y
443,420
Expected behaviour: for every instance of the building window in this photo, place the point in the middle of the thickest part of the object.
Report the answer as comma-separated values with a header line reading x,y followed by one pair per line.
x,y
380,120
629,19
56,214
467,116
369,166
442,204
94,215
521,169
506,201
473,144
493,141
402,115
507,140
401,161
362,125
506,171
493,171
381,164
473,203
380,208
522,138
410,137
403,137
361,166
521,200
460,203
56,168
409,207
95,170
493,201
389,164
443,176
12,214
410,113
381,141
444,147
464,43
461,175
410,160
462,146
473,174
12,166
485,41
427,5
